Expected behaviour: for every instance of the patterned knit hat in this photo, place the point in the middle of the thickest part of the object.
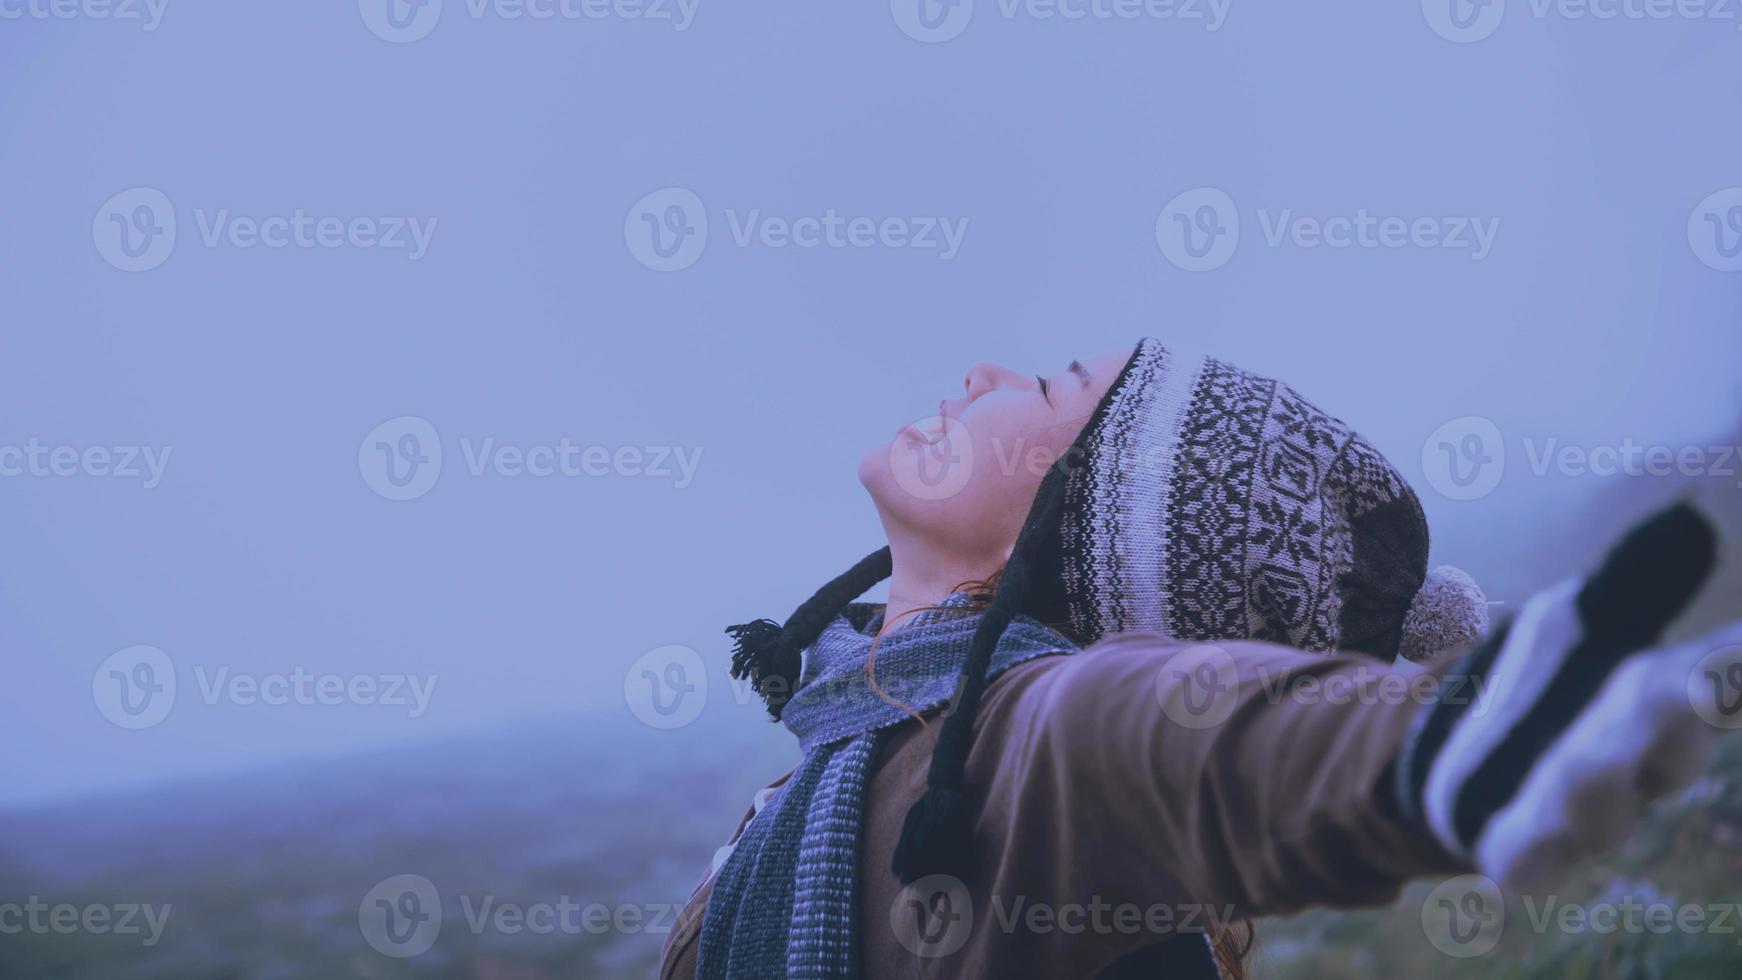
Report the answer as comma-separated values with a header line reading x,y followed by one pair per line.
x,y
1199,501
1217,504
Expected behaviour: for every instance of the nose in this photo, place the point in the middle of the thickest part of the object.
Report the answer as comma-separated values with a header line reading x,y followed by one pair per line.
x,y
984,376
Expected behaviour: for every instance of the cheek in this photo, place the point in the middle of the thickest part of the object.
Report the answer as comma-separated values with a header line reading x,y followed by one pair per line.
x,y
1008,472
1014,446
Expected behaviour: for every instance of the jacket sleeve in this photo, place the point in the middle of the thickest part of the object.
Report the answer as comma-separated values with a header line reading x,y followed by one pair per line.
x,y
1245,777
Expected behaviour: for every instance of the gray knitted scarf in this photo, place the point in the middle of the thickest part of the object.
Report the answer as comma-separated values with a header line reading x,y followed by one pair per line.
x,y
785,902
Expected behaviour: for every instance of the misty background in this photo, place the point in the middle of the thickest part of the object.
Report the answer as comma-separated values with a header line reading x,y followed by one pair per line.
x,y
526,150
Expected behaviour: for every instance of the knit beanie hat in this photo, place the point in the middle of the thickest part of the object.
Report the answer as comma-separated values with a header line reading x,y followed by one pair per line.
x,y
1200,501
1218,504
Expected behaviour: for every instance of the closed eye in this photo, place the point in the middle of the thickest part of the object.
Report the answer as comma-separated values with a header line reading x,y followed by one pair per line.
x,y
1045,389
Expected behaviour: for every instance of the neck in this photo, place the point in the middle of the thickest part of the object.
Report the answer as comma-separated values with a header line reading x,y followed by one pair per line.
x,y
921,577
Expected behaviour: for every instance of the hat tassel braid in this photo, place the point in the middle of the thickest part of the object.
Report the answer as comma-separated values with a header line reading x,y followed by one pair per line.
x,y
937,834
769,655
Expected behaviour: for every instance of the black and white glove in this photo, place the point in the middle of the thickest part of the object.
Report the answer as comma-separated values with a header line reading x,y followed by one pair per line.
x,y
1585,719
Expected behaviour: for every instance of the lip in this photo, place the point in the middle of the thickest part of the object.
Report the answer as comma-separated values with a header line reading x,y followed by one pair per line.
x,y
912,429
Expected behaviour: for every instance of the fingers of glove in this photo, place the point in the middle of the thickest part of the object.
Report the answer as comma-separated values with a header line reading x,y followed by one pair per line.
x,y
1639,740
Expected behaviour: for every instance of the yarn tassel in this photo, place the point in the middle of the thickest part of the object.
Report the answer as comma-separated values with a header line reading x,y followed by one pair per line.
x,y
752,643
756,658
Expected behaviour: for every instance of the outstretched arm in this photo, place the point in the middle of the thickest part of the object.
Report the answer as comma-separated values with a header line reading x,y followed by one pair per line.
x,y
1265,779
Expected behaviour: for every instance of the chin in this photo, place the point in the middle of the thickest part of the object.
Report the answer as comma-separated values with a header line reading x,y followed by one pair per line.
x,y
874,472
878,475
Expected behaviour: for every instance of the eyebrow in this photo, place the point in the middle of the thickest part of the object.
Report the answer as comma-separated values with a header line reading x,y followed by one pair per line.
x,y
1082,373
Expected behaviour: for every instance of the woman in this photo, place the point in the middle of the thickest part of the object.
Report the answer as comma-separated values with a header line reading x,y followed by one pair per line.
x,y
1119,599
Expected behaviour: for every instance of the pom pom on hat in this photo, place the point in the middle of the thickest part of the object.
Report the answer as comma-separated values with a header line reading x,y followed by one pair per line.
x,y
1449,611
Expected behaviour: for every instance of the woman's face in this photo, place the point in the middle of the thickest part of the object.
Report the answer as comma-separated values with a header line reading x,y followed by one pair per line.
x,y
965,474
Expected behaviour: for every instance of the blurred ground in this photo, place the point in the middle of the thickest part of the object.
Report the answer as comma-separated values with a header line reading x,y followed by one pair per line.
x,y
265,873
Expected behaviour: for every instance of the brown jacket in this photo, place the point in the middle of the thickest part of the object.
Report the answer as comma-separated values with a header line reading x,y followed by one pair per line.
x,y
1108,820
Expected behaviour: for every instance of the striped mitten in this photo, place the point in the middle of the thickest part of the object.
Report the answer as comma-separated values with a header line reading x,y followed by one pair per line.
x,y
1581,722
